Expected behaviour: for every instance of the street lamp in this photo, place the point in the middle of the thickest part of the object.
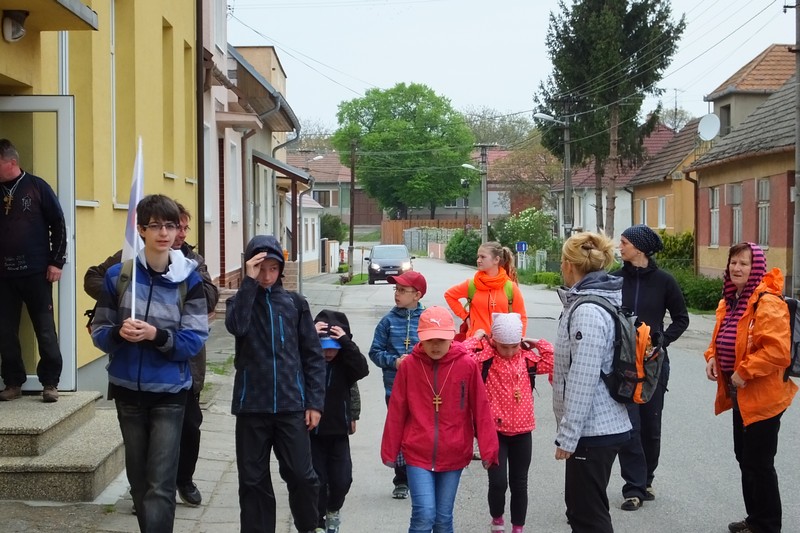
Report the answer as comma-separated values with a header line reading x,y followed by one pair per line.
x,y
568,213
484,201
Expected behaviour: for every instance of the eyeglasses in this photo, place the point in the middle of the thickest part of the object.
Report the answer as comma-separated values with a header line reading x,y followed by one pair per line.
x,y
184,228
401,291
155,226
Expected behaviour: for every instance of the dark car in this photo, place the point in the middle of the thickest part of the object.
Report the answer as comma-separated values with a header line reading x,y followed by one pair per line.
x,y
388,260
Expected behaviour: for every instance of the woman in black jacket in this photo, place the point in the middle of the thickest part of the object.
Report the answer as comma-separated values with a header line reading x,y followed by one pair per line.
x,y
649,292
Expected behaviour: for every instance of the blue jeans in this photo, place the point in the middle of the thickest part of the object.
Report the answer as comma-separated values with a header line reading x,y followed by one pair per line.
x,y
152,437
433,495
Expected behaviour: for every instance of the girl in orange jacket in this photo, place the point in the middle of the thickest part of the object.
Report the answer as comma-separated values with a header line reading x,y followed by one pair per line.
x,y
495,268
749,351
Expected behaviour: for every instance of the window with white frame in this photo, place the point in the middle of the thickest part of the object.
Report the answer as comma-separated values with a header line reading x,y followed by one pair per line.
x,y
662,212
735,201
458,203
713,205
643,211
233,181
763,211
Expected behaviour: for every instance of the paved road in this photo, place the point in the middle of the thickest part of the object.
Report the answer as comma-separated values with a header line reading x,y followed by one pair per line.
x,y
697,483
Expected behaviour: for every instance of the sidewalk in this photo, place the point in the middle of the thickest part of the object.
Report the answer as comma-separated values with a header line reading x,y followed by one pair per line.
x,y
216,474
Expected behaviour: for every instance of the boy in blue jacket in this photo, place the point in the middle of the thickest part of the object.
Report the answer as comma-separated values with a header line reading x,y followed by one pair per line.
x,y
148,371
278,390
395,336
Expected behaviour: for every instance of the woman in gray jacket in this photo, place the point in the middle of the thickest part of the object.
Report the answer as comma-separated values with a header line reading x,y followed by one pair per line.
x,y
591,425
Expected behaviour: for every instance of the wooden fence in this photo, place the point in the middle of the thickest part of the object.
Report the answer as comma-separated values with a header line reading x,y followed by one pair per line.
x,y
392,230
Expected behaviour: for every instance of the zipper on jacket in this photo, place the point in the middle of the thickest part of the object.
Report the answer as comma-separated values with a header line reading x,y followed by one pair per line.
x,y
244,388
146,314
274,359
463,394
435,419
280,328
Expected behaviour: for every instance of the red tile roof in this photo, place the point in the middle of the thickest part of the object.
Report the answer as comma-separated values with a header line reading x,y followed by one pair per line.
x,y
670,158
328,169
766,73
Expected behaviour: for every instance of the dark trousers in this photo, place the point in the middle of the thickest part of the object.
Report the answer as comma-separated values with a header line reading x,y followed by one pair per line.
x,y
400,476
587,473
330,455
638,457
515,460
152,437
37,293
256,435
190,439
755,447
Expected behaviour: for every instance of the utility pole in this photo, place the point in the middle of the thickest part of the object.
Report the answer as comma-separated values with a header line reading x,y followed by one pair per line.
x,y
484,191
350,265
796,195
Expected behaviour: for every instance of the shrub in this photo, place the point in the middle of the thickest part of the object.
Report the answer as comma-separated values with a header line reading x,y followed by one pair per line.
x,y
678,252
700,292
529,277
332,227
463,247
533,226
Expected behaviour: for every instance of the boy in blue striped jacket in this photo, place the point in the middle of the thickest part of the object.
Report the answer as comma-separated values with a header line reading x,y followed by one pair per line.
x,y
148,370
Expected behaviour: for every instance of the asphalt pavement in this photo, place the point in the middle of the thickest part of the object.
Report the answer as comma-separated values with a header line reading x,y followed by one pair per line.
x,y
697,483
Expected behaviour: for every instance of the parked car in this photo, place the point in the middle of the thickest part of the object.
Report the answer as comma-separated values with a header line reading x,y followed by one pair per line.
x,y
388,260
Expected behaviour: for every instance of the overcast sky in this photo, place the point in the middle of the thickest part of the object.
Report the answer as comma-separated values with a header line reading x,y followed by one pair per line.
x,y
475,52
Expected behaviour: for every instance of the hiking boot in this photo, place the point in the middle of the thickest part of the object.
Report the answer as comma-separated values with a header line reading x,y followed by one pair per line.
x,y
400,491
498,524
189,494
649,494
49,394
739,527
631,504
10,393
332,521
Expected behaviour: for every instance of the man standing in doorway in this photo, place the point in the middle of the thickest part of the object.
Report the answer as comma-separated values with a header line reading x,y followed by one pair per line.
x,y
33,245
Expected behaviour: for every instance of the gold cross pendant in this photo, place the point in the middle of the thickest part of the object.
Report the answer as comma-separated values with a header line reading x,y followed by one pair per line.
x,y
407,342
517,395
7,201
437,401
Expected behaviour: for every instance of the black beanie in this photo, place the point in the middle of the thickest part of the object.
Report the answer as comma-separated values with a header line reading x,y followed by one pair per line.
x,y
644,239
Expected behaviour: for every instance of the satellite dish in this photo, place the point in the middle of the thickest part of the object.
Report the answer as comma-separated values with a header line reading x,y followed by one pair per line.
x,y
708,128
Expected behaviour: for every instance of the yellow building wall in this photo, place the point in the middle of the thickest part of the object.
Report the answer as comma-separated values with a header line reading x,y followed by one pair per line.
x,y
679,196
142,86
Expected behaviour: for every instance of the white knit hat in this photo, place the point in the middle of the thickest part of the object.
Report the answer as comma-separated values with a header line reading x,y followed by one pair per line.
x,y
506,328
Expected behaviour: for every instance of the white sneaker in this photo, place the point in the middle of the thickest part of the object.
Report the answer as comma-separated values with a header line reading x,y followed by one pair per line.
x,y
332,522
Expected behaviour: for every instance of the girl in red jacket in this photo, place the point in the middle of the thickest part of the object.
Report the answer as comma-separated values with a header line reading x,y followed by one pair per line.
x,y
506,361
438,406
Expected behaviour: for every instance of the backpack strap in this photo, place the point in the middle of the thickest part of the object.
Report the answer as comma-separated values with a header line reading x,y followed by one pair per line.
x,y
508,288
470,291
610,308
531,366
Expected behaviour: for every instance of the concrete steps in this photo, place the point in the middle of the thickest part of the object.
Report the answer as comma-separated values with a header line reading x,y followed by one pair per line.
x,y
65,451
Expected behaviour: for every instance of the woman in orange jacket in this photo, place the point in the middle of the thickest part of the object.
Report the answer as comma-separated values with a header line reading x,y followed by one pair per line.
x,y
747,357
495,272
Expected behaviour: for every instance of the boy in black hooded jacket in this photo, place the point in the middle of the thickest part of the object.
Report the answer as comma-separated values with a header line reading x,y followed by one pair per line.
x,y
330,444
278,390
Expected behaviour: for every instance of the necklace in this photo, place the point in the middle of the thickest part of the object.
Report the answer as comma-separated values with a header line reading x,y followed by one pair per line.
x,y
517,377
407,342
437,397
492,302
9,193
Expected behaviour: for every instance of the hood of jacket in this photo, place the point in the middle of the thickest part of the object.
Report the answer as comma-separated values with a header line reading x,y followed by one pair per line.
x,y
265,243
334,318
630,268
180,266
600,283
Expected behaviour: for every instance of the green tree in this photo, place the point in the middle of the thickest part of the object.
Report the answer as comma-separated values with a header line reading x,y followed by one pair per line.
x,y
533,226
409,144
491,126
529,172
607,56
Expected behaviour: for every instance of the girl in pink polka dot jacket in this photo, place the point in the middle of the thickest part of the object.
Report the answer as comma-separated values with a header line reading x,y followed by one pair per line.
x,y
509,364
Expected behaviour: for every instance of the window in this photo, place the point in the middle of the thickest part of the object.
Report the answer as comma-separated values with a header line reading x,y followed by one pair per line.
x,y
458,203
713,205
233,202
662,212
763,211
724,120
642,211
323,198
735,201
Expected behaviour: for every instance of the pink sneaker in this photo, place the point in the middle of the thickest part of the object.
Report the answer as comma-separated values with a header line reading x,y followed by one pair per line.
x,y
516,529
498,524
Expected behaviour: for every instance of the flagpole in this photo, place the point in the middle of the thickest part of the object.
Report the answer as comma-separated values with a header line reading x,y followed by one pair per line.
x,y
130,247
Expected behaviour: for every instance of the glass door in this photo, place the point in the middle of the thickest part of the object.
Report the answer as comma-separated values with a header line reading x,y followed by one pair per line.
x,y
42,129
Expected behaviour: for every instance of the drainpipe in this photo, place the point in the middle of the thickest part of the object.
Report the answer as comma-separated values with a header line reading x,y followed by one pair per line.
x,y
273,181
200,133
300,234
